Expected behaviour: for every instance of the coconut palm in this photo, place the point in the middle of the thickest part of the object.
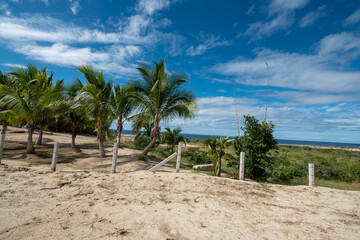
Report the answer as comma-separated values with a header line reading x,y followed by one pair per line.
x,y
173,138
30,96
145,132
48,110
217,148
75,118
161,98
122,103
95,98
7,116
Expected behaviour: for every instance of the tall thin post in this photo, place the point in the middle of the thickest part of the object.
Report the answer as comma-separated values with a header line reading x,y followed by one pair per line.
x,y
54,157
267,92
178,157
311,174
242,166
2,142
237,116
114,158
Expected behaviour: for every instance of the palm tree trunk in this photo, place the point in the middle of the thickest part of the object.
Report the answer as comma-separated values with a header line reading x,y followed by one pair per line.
x,y
119,129
155,133
73,137
101,148
219,168
152,143
30,145
39,140
5,124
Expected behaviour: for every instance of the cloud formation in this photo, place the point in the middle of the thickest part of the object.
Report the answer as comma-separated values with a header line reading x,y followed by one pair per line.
x,y
281,14
208,42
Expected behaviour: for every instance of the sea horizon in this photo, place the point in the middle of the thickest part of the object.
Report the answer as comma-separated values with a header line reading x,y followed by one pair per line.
x,y
280,141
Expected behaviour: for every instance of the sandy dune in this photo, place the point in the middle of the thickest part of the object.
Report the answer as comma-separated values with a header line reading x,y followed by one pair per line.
x,y
137,204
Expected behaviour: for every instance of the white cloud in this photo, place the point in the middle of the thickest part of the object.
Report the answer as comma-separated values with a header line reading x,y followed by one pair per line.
x,y
277,6
353,18
304,98
55,41
311,17
209,42
75,6
46,2
4,7
112,60
221,90
151,6
343,46
282,13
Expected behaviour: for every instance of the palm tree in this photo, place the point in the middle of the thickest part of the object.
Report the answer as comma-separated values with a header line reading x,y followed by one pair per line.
x,y
145,132
122,103
216,148
29,96
95,98
161,98
75,119
7,116
172,138
47,110
223,143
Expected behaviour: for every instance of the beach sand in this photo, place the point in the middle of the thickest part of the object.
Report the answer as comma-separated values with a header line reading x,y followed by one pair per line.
x,y
83,201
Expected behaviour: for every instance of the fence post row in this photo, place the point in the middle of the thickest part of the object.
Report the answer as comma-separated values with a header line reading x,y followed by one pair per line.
x,y
311,174
114,158
178,157
54,157
242,166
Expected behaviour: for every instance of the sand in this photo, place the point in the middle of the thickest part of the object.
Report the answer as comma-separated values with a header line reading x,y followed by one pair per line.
x,y
83,201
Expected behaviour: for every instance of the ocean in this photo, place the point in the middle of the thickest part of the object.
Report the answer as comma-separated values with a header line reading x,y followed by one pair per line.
x,y
280,141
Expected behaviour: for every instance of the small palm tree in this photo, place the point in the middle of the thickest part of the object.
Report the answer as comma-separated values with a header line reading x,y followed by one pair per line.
x,y
75,118
173,138
161,97
7,116
122,104
30,95
95,98
146,130
217,148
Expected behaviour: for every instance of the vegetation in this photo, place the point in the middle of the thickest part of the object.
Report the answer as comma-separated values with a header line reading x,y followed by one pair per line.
x,y
161,97
173,137
256,142
31,97
216,148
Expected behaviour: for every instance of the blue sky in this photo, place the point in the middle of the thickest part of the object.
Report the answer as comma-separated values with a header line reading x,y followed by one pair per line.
x,y
312,48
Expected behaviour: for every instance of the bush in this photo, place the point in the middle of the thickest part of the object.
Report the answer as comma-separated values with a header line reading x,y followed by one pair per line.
x,y
256,142
281,170
196,156
142,142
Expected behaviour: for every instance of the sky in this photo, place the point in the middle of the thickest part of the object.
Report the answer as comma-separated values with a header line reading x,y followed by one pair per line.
x,y
312,49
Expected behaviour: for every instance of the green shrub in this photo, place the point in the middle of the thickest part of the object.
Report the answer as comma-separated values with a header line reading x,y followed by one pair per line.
x,y
281,170
256,142
142,142
196,156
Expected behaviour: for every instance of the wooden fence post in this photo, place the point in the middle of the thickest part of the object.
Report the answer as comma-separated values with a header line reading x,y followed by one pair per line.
x,y
178,157
54,157
242,166
153,169
311,174
2,143
114,158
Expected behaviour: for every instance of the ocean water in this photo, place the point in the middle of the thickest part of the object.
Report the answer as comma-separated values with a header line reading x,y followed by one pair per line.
x,y
280,141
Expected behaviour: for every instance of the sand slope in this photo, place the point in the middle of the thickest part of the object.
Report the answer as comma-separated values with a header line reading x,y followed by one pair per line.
x,y
137,204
